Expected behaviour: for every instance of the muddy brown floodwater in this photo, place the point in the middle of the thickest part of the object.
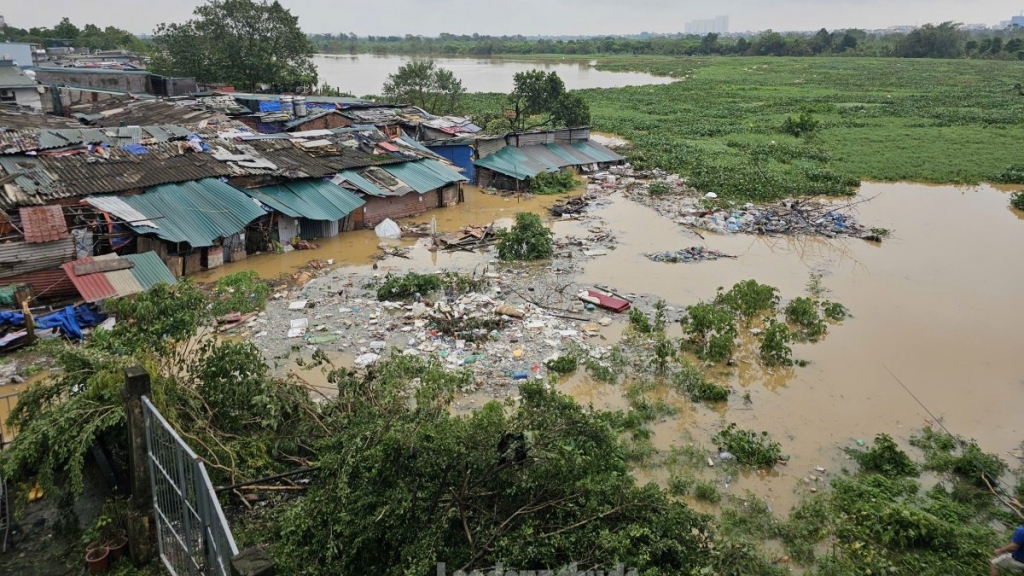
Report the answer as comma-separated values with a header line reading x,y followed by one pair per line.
x,y
938,304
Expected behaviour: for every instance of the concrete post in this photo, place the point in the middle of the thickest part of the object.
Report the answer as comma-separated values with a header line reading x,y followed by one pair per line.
x,y
140,543
252,562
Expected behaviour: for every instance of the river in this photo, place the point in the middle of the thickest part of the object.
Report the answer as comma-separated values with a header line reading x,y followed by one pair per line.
x,y
365,74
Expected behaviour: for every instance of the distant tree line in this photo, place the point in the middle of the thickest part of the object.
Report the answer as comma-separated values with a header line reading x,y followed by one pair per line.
x,y
65,33
945,40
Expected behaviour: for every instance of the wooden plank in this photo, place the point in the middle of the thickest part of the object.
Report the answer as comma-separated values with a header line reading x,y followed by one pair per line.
x,y
97,266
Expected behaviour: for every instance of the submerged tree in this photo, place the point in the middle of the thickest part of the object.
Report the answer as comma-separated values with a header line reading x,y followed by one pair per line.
x,y
239,42
539,100
425,85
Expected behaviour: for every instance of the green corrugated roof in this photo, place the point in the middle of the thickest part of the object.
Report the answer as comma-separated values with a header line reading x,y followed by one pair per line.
x,y
196,212
353,177
511,161
150,270
528,161
424,175
313,199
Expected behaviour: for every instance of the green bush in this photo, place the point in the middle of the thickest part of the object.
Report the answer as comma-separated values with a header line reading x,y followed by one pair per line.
x,y
804,125
750,299
706,492
241,292
884,458
955,455
680,485
403,287
550,183
834,311
749,447
1012,175
775,349
803,312
710,331
659,188
1017,200
691,381
563,364
527,240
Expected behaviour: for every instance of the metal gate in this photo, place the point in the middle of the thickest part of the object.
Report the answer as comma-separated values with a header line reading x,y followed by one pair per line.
x,y
193,536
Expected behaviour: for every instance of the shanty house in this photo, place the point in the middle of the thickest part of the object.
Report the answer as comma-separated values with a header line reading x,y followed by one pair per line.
x,y
310,208
529,154
18,88
402,190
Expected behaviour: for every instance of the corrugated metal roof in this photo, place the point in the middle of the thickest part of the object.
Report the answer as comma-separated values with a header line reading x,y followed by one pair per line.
x,y
528,161
361,183
313,115
51,284
43,224
123,281
514,162
312,199
195,212
92,287
120,209
42,179
425,175
50,138
21,257
150,270
12,77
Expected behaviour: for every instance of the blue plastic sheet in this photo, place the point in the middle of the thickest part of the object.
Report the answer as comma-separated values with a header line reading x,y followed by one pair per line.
x,y
70,321
136,149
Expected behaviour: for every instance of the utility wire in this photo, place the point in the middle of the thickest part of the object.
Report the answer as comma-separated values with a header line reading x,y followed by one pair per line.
x,y
946,430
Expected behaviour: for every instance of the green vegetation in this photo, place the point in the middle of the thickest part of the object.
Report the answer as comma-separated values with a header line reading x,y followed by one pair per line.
x,y
834,311
945,40
775,350
695,385
565,364
749,447
550,183
803,312
527,240
706,492
68,34
881,119
805,125
959,457
240,42
658,188
239,292
394,287
1017,200
539,100
425,85
885,458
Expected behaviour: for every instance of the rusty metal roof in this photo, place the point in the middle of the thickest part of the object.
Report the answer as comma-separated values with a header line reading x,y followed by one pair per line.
x,y
43,224
41,179
135,112
123,281
21,257
92,287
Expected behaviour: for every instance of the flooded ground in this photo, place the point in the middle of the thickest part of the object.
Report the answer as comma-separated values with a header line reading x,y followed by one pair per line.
x,y
937,305
365,74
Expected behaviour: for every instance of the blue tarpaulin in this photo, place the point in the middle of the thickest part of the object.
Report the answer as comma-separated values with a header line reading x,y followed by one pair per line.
x,y
70,321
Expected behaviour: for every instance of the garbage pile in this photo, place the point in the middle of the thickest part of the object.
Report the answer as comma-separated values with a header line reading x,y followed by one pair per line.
x,y
687,255
790,218
470,239
572,206
499,340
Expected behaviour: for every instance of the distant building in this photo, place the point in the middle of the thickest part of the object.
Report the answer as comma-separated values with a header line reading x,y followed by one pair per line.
x,y
716,25
1017,21
18,88
21,54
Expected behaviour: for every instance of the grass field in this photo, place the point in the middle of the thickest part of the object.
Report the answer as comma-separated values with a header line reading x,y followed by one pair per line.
x,y
943,121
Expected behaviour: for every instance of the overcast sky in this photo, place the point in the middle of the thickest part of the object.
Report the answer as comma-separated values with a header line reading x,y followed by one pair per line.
x,y
555,17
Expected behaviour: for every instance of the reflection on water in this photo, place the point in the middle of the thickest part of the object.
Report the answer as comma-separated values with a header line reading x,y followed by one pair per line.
x,y
365,74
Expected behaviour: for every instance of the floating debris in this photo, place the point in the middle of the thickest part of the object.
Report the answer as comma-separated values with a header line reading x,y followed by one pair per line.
x,y
691,254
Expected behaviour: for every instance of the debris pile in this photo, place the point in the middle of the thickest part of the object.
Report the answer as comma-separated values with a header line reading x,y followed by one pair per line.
x,y
790,218
691,254
470,239
571,206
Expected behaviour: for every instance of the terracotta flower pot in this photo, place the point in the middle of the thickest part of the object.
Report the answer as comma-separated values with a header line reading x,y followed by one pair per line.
x,y
98,560
117,547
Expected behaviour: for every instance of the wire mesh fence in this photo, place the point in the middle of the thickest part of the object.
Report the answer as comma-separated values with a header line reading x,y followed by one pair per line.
x,y
193,535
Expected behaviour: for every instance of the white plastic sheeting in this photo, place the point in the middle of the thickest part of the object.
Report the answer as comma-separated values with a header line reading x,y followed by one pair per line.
x,y
388,229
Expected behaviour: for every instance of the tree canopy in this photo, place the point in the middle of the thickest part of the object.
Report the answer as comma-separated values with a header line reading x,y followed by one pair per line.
x,y
239,42
66,33
930,41
424,84
539,100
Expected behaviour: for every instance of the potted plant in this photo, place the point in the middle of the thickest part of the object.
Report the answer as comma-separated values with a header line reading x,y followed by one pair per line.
x,y
97,556
114,534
